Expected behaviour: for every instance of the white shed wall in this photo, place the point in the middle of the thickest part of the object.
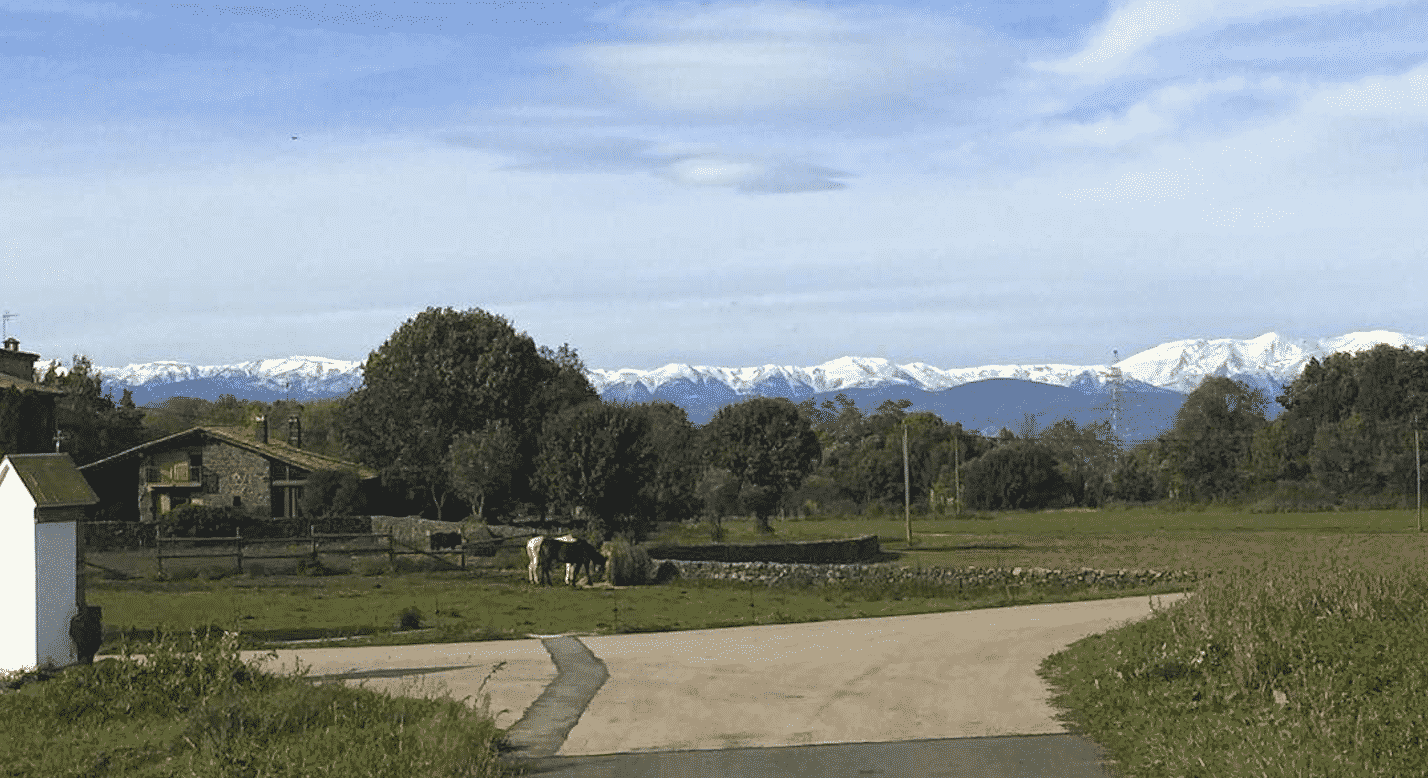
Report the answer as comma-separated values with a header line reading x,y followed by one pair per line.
x,y
17,575
56,601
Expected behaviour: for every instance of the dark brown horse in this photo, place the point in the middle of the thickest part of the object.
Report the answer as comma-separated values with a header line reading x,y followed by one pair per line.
x,y
576,554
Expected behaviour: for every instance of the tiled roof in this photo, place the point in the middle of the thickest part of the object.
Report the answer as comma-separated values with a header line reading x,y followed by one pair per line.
x,y
52,479
241,437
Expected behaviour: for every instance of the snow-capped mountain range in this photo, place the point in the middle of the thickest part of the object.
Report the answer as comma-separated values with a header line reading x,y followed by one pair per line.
x,y
1268,362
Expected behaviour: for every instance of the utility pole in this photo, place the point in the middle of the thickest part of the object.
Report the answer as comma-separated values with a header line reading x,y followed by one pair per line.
x,y
1418,467
957,479
906,487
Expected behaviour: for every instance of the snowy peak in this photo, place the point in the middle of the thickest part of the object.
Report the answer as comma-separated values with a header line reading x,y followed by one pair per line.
x,y
1268,362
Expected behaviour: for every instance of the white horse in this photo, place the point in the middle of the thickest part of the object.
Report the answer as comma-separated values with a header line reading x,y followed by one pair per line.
x,y
534,568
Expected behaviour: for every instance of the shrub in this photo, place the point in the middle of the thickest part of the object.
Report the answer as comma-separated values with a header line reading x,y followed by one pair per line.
x,y
333,493
409,618
626,565
207,521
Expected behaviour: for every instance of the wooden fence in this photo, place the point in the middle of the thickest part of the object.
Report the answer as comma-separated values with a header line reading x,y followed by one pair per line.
x,y
314,541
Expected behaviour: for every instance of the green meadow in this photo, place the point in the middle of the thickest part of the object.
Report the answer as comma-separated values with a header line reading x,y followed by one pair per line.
x,y
1301,653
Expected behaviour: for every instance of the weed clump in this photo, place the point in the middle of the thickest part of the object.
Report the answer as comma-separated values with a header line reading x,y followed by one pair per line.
x,y
1327,660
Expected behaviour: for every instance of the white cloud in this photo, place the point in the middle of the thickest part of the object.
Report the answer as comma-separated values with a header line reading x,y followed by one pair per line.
x,y
1402,95
719,58
1134,25
751,175
1165,111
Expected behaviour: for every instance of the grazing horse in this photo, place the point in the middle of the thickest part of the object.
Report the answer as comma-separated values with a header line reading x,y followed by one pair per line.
x,y
533,570
574,553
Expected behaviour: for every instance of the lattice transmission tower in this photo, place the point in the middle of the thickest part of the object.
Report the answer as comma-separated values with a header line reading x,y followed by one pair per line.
x,y
1115,382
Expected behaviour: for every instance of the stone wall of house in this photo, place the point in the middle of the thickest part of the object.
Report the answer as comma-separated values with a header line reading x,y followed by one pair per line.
x,y
241,474
229,472
783,574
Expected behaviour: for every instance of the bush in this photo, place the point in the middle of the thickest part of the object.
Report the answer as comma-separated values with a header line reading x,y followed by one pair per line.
x,y
333,493
409,618
207,521
626,565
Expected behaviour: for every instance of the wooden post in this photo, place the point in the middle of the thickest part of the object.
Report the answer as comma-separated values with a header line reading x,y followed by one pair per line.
x,y
159,550
906,488
957,479
238,535
312,533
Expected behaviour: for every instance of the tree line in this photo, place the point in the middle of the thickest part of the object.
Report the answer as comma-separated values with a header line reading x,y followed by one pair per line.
x,y
465,416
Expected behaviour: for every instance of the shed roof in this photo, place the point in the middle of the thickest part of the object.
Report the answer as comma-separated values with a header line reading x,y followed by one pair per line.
x,y
52,479
241,437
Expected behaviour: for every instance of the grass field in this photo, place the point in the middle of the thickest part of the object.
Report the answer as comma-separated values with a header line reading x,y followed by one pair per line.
x,y
1208,540
1317,667
1309,658
199,710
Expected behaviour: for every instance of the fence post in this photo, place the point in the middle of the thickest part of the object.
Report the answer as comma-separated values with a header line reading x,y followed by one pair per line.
x,y
159,550
238,535
312,533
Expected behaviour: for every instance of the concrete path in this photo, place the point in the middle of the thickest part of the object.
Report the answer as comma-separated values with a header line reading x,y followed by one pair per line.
x,y
897,695
456,670
937,675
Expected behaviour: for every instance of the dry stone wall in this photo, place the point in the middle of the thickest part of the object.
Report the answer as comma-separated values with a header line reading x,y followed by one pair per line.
x,y
794,574
797,551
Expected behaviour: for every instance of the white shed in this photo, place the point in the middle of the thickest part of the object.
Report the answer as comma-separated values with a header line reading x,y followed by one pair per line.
x,y
42,502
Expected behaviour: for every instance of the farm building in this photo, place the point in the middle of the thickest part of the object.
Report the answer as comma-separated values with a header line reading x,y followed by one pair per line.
x,y
27,410
218,466
43,499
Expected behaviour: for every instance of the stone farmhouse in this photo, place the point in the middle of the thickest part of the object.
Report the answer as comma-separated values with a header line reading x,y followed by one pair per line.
x,y
27,410
218,466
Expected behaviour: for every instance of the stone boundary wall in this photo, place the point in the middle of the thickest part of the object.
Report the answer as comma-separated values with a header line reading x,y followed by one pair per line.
x,y
783,574
794,551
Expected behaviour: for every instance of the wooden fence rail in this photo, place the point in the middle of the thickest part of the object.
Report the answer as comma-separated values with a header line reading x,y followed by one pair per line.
x,y
313,540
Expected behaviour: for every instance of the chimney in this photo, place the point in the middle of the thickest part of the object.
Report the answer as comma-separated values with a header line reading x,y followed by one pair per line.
x,y
262,429
12,345
294,432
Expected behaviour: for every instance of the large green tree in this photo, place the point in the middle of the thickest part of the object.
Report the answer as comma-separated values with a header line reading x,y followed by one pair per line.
x,y
483,463
446,372
1212,438
596,460
1015,475
769,447
1086,456
674,443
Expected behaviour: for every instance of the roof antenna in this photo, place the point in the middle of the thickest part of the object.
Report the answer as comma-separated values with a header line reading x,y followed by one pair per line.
x,y
5,324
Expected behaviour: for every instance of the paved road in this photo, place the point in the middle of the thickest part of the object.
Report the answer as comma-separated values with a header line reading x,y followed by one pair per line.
x,y
933,694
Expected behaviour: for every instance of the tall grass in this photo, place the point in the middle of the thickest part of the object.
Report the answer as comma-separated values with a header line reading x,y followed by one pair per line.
x,y
204,711
1305,669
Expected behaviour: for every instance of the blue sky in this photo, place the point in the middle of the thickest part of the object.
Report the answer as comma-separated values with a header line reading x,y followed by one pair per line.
x,y
719,183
